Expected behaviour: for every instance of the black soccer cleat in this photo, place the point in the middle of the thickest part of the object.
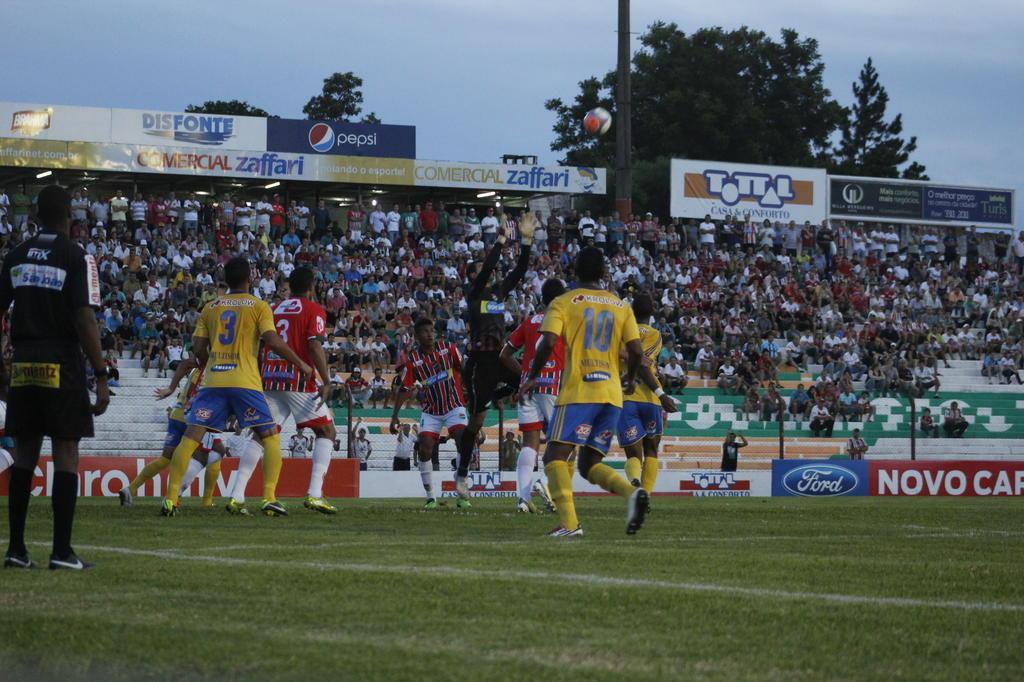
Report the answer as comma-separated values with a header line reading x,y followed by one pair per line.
x,y
69,563
18,560
637,511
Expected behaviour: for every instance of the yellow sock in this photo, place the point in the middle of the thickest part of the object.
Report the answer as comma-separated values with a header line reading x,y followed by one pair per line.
x,y
271,466
179,465
210,480
609,479
650,475
148,472
560,484
633,468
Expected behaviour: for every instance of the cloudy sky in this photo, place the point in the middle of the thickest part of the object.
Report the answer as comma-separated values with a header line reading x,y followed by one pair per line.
x,y
472,75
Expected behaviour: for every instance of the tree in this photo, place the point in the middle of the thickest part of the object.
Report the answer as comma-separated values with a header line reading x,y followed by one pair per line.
x,y
341,100
226,108
715,94
870,146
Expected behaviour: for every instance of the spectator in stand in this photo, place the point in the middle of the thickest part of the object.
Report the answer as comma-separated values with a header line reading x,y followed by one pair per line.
x,y
358,388
674,375
955,424
731,451
380,389
856,448
822,420
800,404
705,361
926,377
928,427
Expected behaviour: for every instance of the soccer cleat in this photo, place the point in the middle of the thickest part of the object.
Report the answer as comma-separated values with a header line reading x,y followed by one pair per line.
x,y
431,504
636,511
273,508
125,495
563,532
526,507
319,505
15,560
69,563
463,503
545,494
236,508
168,508
461,487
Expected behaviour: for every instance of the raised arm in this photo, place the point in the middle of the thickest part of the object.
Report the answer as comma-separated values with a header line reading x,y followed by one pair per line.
x,y
476,289
186,366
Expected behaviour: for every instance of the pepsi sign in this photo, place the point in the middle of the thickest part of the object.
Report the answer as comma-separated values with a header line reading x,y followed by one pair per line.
x,y
825,478
341,138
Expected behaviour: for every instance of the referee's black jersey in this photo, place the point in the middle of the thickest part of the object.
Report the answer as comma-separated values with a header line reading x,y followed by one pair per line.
x,y
48,278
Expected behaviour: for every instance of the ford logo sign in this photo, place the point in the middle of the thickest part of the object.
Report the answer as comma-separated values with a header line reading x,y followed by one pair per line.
x,y
820,480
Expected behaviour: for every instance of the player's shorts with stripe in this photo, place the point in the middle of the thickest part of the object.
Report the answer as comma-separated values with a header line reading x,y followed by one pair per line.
x,y
301,406
175,430
535,412
638,421
212,407
431,424
592,425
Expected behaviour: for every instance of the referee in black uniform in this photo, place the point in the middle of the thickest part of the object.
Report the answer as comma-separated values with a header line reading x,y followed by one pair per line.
x,y
54,287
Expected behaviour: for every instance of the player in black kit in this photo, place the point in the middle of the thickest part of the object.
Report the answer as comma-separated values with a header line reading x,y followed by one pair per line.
x,y
483,371
54,286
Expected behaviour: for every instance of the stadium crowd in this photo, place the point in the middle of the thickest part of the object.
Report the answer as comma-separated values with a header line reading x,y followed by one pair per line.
x,y
738,299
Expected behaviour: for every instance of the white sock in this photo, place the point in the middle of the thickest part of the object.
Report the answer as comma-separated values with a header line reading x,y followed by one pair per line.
x,y
246,465
6,461
322,448
194,467
427,476
524,471
212,458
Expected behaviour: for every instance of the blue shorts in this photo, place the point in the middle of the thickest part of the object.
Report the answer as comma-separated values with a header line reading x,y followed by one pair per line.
x,y
212,407
639,421
591,425
175,430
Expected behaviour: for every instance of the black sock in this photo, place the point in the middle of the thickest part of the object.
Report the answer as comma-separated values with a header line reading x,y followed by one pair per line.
x,y
465,448
19,492
63,497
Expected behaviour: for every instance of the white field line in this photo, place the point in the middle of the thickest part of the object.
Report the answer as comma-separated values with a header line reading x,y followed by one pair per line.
x,y
572,579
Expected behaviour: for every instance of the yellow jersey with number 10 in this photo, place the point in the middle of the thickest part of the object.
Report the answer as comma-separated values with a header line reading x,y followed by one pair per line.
x,y
650,339
234,324
596,326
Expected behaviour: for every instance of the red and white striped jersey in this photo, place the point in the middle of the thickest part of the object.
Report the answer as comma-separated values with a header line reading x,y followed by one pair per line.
x,y
298,320
438,374
527,336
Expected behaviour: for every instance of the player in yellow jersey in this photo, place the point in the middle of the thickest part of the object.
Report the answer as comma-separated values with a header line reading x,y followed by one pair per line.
x,y
640,425
226,342
596,325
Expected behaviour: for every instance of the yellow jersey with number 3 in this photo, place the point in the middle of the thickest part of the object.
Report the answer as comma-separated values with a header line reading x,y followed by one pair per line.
x,y
596,326
234,324
650,339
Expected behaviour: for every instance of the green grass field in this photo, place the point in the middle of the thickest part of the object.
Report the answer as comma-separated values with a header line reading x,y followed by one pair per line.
x,y
722,589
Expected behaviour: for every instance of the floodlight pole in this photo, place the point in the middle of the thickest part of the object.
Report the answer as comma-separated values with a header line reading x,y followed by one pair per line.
x,y
623,131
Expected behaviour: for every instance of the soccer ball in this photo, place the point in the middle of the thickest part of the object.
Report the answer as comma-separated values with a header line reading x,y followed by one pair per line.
x,y
597,121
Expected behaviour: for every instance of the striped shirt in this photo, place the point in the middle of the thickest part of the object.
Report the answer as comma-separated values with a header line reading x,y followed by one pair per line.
x,y
437,373
527,336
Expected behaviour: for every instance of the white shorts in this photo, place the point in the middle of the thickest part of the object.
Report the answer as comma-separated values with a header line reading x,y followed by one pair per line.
x,y
300,406
535,412
433,423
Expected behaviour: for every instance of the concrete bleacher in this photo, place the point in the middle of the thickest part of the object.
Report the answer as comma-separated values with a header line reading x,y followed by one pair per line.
x,y
135,423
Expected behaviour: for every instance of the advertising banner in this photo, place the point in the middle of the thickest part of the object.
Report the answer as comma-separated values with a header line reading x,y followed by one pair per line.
x,y
341,138
919,202
511,177
819,478
948,478
176,129
719,189
19,120
364,170
878,200
39,154
696,483
105,476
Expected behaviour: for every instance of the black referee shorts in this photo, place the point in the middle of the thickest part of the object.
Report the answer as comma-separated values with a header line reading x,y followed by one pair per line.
x,y
48,399
401,464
